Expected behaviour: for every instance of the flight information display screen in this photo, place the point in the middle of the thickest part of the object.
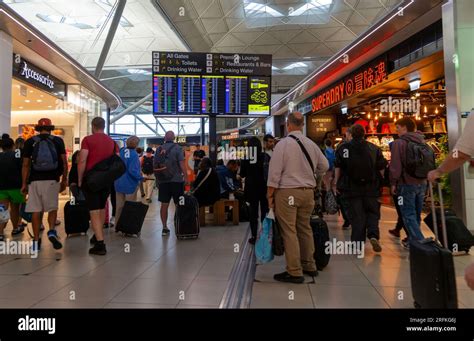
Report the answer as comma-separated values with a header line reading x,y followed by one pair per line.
x,y
213,94
189,98
236,95
211,84
164,94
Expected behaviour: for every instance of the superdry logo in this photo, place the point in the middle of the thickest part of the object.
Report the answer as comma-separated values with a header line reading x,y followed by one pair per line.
x,y
28,323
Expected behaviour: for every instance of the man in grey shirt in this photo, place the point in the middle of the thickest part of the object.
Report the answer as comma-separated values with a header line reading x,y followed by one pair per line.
x,y
170,172
291,183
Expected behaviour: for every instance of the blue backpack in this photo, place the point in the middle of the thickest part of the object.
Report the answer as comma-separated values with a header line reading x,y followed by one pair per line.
x,y
331,156
45,155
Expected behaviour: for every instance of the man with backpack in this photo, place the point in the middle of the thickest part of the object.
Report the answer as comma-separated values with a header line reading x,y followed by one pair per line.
x,y
358,168
44,164
412,160
148,173
170,173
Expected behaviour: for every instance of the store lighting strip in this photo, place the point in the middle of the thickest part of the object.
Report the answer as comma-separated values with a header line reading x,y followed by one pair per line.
x,y
400,9
72,62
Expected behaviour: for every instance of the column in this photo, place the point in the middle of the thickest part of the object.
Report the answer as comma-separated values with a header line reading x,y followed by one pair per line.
x,y
6,66
458,30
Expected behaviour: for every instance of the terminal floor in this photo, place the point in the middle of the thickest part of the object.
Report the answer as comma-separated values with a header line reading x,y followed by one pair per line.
x,y
161,272
375,281
147,272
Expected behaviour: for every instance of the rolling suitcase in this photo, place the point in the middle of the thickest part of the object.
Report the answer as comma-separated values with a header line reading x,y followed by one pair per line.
x,y
132,218
433,279
186,218
76,218
320,236
459,237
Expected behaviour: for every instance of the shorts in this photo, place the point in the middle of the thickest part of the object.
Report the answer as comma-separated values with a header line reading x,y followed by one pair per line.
x,y
95,200
12,195
168,190
43,196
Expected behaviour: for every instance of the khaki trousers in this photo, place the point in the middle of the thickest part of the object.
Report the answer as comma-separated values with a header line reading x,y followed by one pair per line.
x,y
149,184
293,208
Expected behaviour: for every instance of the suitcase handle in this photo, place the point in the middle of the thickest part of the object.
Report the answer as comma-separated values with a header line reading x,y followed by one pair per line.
x,y
443,217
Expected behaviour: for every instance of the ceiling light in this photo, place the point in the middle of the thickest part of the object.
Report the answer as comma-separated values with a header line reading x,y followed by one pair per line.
x,y
415,84
426,109
436,111
344,110
27,101
295,65
39,100
20,107
50,106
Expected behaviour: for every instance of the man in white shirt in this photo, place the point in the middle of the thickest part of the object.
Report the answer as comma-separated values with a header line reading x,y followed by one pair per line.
x,y
291,183
462,153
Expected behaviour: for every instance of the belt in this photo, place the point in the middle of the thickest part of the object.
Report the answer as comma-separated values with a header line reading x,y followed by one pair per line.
x,y
303,188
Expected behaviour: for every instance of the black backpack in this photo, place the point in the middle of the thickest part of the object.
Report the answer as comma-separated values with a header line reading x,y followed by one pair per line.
x,y
360,163
420,159
147,167
163,162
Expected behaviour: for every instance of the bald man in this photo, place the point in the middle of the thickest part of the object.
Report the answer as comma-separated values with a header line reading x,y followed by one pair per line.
x,y
291,183
171,176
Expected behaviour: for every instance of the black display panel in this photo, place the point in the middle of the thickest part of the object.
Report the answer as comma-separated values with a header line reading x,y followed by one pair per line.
x,y
236,99
213,95
211,84
188,95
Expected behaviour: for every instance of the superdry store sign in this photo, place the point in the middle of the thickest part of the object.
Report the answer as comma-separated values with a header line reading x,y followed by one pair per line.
x,y
355,83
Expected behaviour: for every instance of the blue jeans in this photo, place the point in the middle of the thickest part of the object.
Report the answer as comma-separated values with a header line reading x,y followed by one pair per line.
x,y
411,204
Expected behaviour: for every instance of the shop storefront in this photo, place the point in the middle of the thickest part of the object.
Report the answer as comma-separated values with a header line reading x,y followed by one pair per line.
x,y
40,80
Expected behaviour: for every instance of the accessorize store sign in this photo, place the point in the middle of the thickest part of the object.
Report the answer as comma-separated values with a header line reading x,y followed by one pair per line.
x,y
364,79
27,72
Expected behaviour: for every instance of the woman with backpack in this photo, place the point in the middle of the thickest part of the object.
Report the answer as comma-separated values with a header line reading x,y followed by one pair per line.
x,y
148,173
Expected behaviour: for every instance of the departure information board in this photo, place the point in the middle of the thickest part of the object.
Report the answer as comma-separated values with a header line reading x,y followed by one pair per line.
x,y
213,94
188,95
211,84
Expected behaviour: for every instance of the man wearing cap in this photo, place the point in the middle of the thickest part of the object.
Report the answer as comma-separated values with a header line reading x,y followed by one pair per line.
x,y
146,162
44,165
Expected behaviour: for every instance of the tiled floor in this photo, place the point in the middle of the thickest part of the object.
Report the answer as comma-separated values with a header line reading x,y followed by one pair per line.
x,y
375,281
161,272
147,272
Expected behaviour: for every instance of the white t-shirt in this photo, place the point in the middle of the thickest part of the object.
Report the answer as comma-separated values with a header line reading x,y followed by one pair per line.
x,y
465,143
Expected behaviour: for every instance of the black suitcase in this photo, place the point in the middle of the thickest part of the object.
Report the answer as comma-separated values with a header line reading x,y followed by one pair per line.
x,y
132,218
186,218
433,279
76,218
321,237
459,237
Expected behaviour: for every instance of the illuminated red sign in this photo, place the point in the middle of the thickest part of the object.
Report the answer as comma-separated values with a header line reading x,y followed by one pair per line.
x,y
352,85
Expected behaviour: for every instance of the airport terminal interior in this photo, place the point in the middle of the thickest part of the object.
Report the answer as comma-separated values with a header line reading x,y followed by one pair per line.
x,y
199,98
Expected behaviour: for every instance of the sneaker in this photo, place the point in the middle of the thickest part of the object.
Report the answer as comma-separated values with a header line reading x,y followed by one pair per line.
x,y
22,224
54,239
98,249
395,233
57,223
2,237
375,245
314,273
18,230
93,240
405,244
166,232
252,240
286,277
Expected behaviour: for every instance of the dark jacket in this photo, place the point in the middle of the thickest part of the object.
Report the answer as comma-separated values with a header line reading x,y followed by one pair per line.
x,y
227,180
345,185
398,174
10,170
254,174
209,191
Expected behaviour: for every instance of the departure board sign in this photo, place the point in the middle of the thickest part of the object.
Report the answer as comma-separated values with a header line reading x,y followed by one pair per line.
x,y
211,84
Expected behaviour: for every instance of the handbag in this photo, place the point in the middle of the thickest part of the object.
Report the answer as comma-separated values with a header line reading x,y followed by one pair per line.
x,y
103,174
278,247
